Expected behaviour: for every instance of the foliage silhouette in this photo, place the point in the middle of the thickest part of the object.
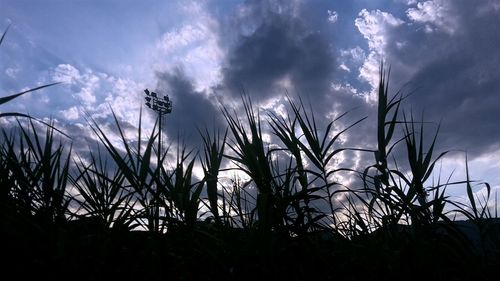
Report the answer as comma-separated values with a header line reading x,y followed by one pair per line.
x,y
119,214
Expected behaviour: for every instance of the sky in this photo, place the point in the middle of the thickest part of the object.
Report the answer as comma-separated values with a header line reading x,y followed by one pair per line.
x,y
204,53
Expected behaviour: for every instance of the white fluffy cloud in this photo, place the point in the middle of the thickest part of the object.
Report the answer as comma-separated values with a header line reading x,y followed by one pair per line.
x,y
96,93
375,26
435,14
125,97
87,92
66,73
333,16
71,113
83,84
193,46
183,37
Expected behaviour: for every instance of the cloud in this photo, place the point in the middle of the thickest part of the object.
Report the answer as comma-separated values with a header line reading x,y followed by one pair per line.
x,y
192,45
445,49
71,113
356,54
12,72
96,93
192,110
125,97
349,60
66,73
333,16
436,13
181,38
263,48
274,47
83,85
376,27
456,75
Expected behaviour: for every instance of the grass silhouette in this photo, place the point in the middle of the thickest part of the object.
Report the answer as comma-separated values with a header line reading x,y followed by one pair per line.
x,y
117,214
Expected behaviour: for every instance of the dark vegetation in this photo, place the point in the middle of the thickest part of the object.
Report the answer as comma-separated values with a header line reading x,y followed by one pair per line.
x,y
115,214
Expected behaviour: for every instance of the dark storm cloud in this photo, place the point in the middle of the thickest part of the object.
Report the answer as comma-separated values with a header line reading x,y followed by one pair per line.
x,y
274,43
456,70
192,110
266,44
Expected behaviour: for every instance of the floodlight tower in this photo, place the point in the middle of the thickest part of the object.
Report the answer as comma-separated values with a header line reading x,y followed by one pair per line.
x,y
162,106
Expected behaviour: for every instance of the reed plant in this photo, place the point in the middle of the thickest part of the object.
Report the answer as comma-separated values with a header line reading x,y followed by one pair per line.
x,y
284,209
102,193
39,169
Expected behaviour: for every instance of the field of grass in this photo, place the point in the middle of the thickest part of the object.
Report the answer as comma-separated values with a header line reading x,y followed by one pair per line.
x,y
115,213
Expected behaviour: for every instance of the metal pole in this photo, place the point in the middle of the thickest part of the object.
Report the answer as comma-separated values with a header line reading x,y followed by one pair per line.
x,y
161,107
157,195
159,138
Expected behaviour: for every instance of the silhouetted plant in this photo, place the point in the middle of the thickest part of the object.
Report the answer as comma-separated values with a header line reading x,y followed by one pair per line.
x,y
211,163
253,159
184,193
36,171
102,192
139,175
320,152
273,221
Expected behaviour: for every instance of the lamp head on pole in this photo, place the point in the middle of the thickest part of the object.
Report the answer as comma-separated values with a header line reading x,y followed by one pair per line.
x,y
160,105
